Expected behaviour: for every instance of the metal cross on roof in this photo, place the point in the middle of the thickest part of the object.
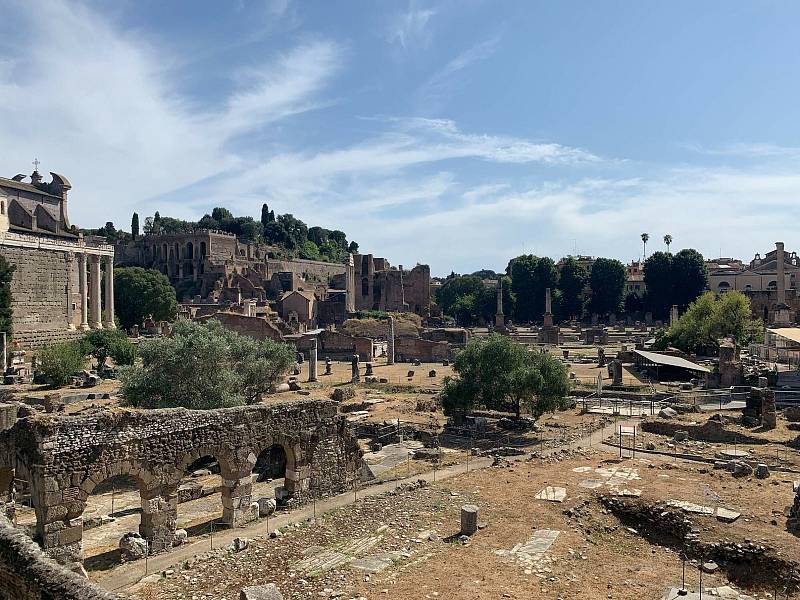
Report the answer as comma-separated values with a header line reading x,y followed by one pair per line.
x,y
36,164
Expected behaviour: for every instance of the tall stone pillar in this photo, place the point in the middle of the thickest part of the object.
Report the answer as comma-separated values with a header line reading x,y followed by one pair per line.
x,y
499,319
390,343
355,374
673,315
70,260
781,283
84,290
95,321
159,518
108,315
312,361
548,308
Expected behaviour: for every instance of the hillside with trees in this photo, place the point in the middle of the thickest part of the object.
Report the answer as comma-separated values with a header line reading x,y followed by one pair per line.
x,y
291,237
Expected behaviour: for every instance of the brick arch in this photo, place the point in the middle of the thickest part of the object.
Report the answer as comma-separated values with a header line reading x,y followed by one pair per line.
x,y
105,472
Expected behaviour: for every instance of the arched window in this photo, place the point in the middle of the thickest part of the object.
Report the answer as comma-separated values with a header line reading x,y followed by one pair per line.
x,y
202,249
723,286
189,250
772,286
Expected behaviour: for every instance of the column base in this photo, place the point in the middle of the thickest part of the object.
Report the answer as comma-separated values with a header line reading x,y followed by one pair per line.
x,y
109,325
96,326
84,327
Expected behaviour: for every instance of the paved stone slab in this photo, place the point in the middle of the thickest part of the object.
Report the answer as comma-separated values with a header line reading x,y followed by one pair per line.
x,y
534,549
376,562
724,592
581,469
326,560
591,483
552,494
723,514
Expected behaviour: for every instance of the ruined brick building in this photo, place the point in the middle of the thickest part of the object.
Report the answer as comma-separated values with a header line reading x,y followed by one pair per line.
x,y
379,286
56,287
219,267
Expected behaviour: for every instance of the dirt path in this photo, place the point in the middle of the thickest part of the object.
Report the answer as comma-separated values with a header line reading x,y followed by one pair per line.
x,y
126,575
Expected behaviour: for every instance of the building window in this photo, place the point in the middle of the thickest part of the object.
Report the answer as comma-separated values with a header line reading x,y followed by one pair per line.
x,y
724,286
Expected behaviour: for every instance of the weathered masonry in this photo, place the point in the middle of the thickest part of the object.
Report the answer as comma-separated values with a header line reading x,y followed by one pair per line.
x,y
57,287
65,457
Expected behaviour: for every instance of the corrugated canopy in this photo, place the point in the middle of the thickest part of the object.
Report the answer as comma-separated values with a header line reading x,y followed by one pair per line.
x,y
790,333
671,361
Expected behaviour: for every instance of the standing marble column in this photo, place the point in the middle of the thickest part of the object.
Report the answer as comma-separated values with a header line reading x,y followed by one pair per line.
x,y
95,321
312,361
108,314
390,343
84,290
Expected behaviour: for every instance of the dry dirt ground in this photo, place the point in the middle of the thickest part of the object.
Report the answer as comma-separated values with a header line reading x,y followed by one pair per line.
x,y
414,531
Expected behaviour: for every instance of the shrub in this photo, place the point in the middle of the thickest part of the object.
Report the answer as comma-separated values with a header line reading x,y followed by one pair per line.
x,y
60,362
116,343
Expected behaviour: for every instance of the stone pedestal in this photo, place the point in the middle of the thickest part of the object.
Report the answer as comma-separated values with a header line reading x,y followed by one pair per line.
x,y
469,519
769,417
355,373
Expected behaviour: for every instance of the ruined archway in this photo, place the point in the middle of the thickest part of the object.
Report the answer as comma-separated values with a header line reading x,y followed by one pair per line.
x,y
199,495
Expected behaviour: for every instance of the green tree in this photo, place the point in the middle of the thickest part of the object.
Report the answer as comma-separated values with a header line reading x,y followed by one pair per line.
x,y
645,238
204,366
60,362
709,319
6,275
140,292
264,214
668,241
689,277
571,281
309,250
674,279
497,373
352,248
220,214
135,225
296,232
659,282
457,287
530,276
607,281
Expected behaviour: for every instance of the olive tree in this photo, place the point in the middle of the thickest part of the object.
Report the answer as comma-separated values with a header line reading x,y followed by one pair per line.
x,y
204,366
500,374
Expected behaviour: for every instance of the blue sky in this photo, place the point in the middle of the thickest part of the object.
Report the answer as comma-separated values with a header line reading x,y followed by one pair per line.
x,y
455,133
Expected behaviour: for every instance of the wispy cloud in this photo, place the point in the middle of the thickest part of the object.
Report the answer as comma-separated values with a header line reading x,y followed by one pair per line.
x,y
747,150
444,81
409,28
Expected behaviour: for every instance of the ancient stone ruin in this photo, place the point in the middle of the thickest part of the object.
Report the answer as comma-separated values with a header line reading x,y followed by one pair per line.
x,y
65,457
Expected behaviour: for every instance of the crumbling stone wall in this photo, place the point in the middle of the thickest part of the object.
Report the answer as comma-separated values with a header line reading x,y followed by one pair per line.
x,y
26,574
45,288
408,349
65,457
710,431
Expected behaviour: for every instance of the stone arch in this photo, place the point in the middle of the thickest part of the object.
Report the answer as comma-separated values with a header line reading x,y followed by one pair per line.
x,y
189,252
294,459
203,250
772,285
723,286
227,464
164,251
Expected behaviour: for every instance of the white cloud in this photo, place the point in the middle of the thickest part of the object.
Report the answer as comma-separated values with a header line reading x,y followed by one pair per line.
x,y
410,28
97,104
